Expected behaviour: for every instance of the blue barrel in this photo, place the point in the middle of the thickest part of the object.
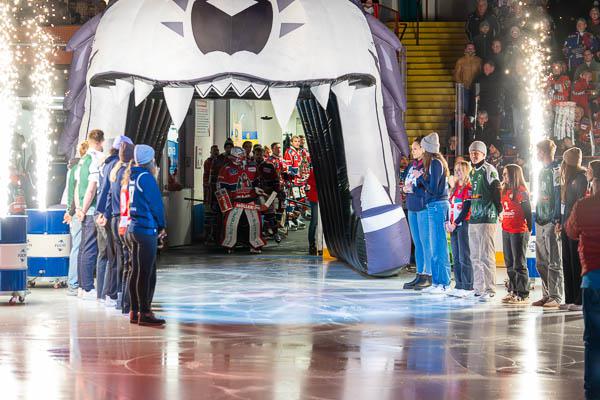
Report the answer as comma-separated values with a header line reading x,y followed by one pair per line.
x,y
531,265
49,244
13,255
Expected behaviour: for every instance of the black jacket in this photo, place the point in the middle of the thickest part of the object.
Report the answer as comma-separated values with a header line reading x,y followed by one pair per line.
x,y
576,189
490,92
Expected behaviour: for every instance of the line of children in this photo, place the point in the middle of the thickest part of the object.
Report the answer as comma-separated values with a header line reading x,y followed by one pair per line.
x,y
126,203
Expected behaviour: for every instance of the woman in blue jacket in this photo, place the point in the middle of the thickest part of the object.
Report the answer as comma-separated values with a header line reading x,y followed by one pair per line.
x,y
434,179
418,219
147,225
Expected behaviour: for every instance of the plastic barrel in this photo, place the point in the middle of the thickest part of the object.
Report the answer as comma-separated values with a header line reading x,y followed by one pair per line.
x,y
49,244
531,265
13,254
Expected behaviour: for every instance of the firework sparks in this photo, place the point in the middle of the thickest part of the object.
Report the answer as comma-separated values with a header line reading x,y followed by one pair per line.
x,y
42,78
8,104
536,57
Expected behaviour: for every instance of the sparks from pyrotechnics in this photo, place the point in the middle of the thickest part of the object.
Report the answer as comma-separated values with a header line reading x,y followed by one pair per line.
x,y
8,99
42,78
536,58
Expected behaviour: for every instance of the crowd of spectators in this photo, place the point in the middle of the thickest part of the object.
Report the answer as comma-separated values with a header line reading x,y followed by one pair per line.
x,y
493,72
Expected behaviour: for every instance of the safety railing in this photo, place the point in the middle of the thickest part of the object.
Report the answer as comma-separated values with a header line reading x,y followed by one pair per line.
x,y
388,14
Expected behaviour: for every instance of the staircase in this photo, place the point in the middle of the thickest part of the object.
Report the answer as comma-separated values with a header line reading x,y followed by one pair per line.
x,y
430,86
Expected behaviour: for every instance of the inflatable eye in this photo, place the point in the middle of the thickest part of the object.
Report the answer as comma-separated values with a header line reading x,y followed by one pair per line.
x,y
232,26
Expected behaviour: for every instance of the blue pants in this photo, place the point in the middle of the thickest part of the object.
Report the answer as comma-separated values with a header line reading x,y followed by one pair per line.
x,y
314,222
440,259
418,222
461,254
75,229
591,338
88,254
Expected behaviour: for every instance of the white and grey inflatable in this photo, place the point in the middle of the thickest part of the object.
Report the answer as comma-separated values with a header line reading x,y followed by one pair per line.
x,y
137,67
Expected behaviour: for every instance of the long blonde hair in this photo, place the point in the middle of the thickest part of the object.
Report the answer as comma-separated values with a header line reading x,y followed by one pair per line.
x,y
126,174
466,169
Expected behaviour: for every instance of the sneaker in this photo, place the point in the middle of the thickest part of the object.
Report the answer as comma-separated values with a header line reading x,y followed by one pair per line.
x,y
429,289
540,302
519,301
439,289
255,251
551,303
148,319
508,298
90,296
424,283
301,225
72,292
564,307
458,293
465,294
110,303
575,307
411,284
487,297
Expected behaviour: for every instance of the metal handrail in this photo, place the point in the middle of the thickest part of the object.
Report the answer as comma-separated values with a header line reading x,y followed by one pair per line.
x,y
399,26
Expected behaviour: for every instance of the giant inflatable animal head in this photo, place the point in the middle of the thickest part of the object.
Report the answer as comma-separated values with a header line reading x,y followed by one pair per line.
x,y
338,66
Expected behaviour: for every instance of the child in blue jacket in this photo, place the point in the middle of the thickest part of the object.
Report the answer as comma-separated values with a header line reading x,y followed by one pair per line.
x,y
147,225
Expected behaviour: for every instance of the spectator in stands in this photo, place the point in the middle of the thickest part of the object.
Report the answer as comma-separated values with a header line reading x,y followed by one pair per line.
x,y
564,145
584,225
495,157
581,91
483,41
573,187
512,48
368,6
482,131
489,94
594,23
589,64
516,17
497,56
576,44
466,69
479,15
559,85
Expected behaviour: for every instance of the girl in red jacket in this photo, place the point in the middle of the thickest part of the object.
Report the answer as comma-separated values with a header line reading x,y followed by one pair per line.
x,y
516,226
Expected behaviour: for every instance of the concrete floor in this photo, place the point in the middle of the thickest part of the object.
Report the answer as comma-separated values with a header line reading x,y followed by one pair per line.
x,y
286,327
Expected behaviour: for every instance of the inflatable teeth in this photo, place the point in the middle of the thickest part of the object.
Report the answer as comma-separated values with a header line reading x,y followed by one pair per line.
x,y
178,101
385,228
284,103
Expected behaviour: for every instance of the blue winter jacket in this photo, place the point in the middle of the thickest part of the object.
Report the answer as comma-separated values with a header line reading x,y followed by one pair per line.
x,y
415,201
436,184
103,204
146,206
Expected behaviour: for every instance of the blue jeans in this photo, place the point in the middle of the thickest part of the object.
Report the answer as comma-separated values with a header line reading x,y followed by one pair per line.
x,y
75,229
440,259
418,222
88,254
314,223
591,338
461,254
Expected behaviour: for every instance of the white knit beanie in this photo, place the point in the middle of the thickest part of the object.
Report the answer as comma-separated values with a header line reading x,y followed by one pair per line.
x,y
478,146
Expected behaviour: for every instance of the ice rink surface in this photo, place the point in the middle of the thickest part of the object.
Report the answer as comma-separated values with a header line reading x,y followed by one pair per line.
x,y
287,327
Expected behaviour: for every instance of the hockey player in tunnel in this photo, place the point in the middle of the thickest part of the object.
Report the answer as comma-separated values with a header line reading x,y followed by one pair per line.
x,y
237,195
214,153
293,160
269,180
281,166
214,217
